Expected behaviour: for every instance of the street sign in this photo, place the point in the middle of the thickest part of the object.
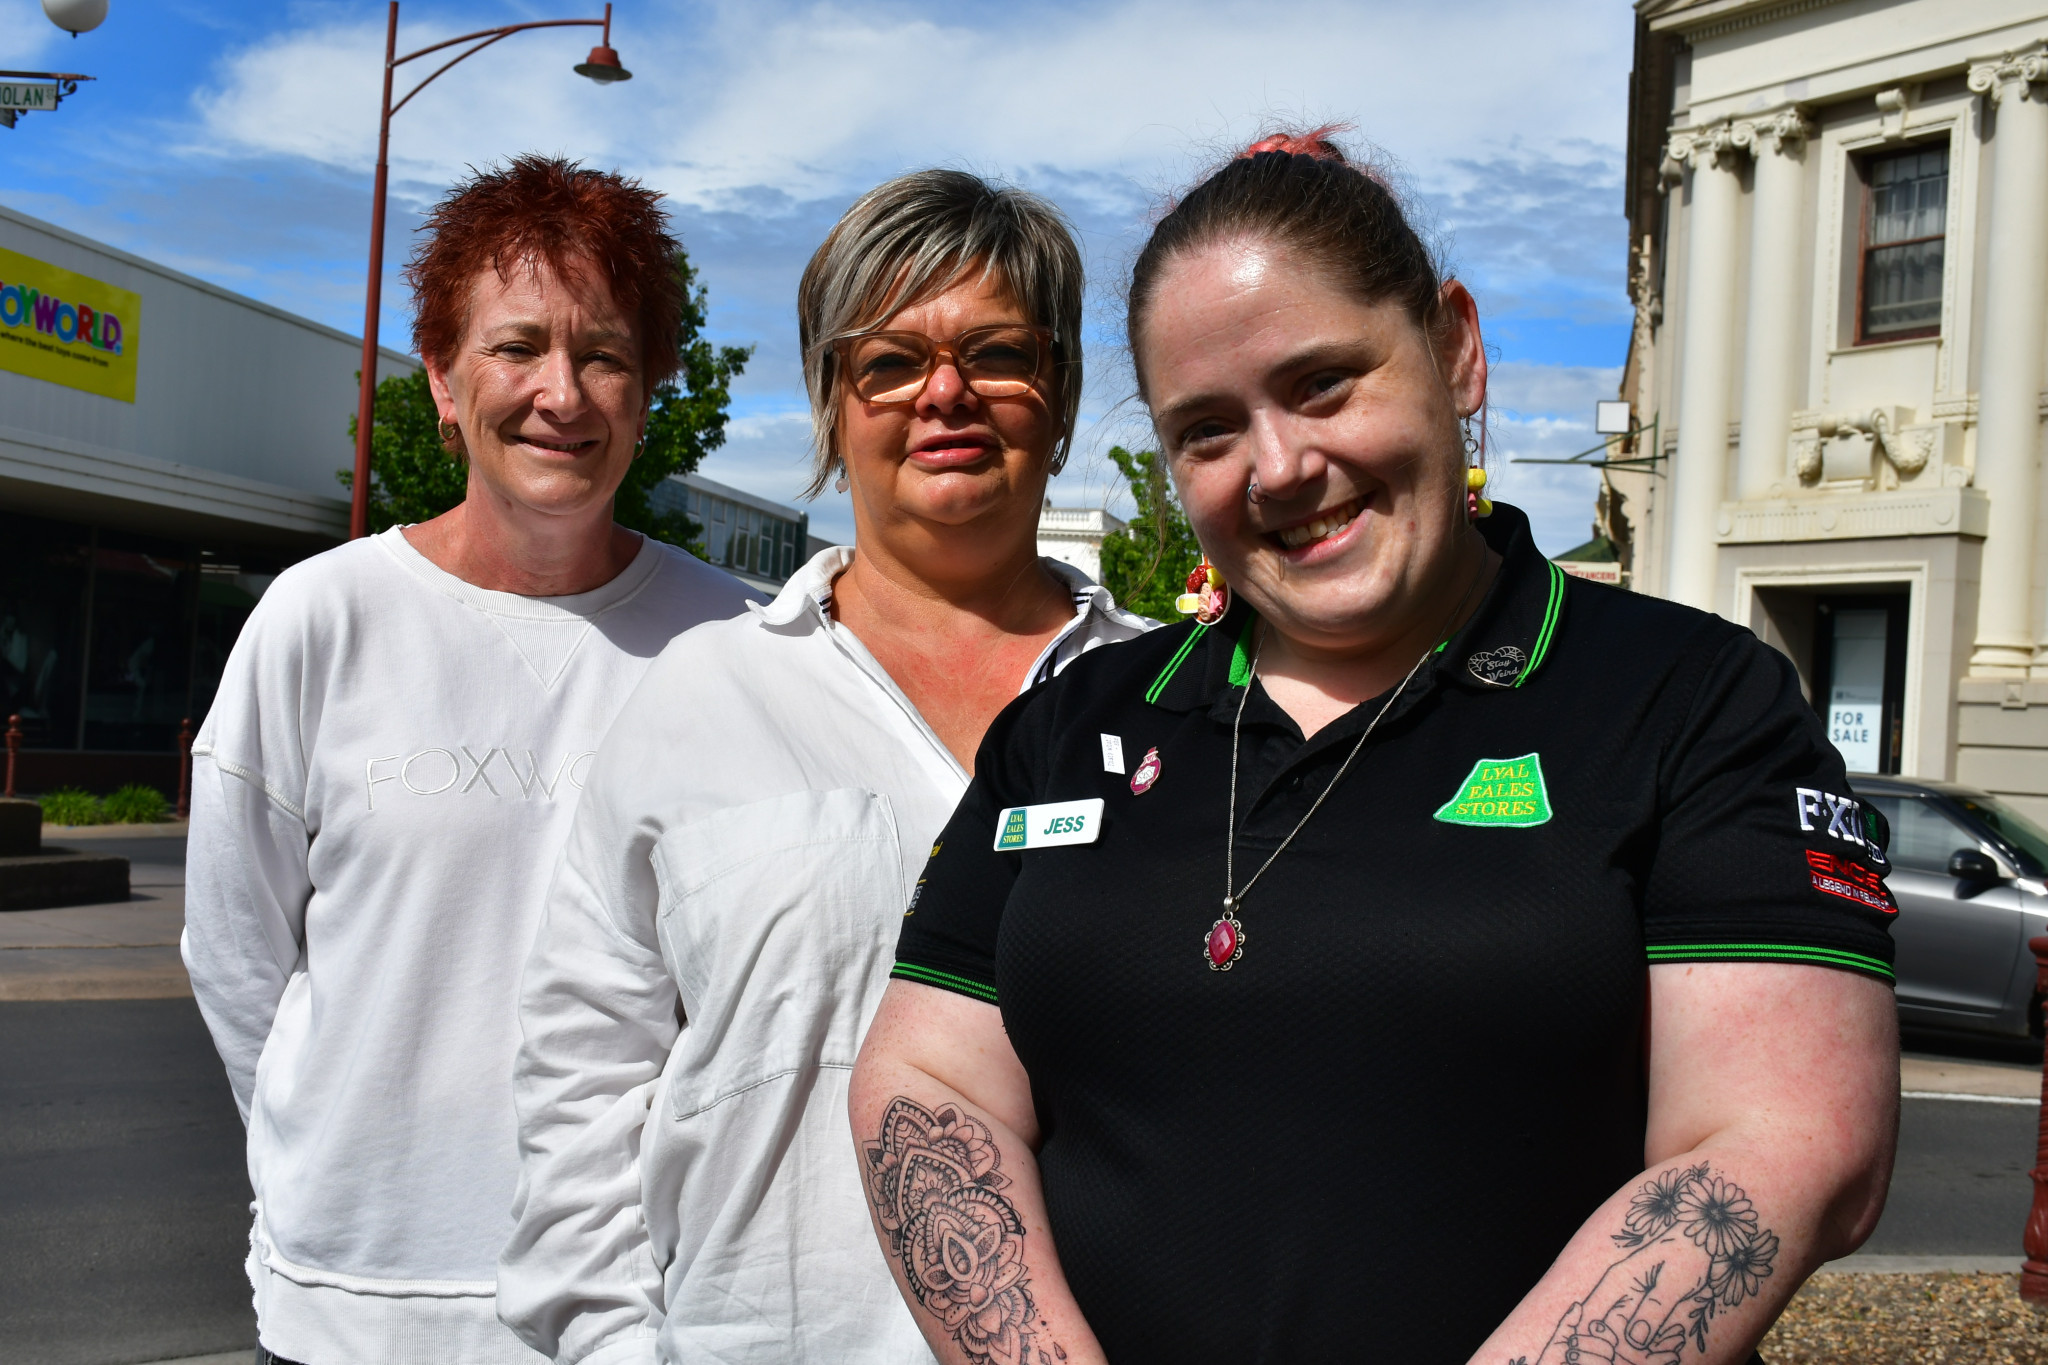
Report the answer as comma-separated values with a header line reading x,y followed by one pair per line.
x,y
28,95
1612,418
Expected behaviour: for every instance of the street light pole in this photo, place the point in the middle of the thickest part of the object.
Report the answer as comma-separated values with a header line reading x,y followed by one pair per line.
x,y
601,66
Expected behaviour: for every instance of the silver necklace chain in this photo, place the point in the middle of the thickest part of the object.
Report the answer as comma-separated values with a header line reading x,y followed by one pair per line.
x,y
1234,899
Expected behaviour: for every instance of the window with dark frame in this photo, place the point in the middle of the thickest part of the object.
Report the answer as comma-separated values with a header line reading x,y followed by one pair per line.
x,y
1905,221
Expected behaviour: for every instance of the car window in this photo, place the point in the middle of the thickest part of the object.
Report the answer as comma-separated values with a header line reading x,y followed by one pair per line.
x,y
1923,837
2008,824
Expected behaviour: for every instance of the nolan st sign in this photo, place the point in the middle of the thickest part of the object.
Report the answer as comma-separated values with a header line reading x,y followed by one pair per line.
x,y
37,95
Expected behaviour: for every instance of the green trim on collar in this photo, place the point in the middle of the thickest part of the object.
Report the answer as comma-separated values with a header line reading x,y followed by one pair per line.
x,y
945,981
1551,611
1180,656
1240,655
1778,952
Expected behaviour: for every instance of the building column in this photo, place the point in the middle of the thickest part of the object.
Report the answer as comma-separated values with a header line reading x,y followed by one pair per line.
x,y
1770,361
1708,343
2009,384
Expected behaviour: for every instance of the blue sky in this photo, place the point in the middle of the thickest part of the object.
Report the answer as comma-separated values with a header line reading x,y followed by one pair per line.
x,y
236,140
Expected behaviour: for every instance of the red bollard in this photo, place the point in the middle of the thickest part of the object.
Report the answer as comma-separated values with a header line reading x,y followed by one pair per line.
x,y
2034,1270
13,748
185,769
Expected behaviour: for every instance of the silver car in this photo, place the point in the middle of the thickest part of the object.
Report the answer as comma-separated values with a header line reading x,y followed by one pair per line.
x,y
1970,874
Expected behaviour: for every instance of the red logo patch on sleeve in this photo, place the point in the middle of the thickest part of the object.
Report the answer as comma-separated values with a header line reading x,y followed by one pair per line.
x,y
1850,880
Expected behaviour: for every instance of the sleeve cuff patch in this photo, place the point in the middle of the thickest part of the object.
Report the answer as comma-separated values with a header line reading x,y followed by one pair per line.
x,y
945,981
1836,876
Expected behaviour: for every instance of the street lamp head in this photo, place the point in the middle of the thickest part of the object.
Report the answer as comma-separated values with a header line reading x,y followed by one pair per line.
x,y
76,16
603,67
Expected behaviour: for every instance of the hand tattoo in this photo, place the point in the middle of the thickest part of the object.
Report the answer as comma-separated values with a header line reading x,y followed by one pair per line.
x,y
1691,1246
932,1178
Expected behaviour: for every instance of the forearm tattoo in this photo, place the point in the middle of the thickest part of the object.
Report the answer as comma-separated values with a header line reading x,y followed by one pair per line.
x,y
1691,1246
937,1193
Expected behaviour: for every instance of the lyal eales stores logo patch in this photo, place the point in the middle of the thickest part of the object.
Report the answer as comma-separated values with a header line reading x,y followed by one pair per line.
x,y
1506,792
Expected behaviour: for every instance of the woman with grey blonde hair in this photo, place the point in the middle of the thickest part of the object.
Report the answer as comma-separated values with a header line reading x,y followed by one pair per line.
x,y
722,925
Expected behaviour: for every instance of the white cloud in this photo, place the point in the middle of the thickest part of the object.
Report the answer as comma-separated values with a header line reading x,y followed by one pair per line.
x,y
817,100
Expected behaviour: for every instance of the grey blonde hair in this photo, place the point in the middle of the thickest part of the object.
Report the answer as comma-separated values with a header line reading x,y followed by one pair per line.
x,y
914,237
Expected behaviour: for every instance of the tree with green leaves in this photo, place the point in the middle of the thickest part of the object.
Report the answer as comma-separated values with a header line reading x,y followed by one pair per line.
x,y
414,478
1146,565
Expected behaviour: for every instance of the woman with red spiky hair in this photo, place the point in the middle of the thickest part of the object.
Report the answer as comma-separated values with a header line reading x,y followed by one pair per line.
x,y
390,766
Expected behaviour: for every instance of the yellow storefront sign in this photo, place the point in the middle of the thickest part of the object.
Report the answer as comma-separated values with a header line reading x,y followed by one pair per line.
x,y
67,328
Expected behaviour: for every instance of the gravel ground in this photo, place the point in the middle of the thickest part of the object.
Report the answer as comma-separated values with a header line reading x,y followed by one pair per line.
x,y
1840,1319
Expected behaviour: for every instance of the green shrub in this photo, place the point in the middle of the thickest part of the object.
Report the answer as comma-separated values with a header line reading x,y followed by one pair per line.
x,y
71,806
135,804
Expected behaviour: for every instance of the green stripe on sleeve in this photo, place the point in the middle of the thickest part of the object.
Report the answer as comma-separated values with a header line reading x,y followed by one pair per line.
x,y
945,981
1180,656
1771,952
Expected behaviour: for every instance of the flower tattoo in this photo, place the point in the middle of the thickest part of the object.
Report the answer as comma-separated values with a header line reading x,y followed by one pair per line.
x,y
1691,1246
932,1178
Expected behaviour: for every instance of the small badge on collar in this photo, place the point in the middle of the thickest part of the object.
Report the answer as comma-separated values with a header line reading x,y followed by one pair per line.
x,y
1498,667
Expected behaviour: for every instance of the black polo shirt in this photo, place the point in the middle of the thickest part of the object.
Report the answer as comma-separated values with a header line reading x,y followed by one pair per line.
x,y
1371,1135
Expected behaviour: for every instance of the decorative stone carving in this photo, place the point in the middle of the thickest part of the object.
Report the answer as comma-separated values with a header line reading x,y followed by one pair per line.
x,y
1710,145
1908,456
1891,110
1990,78
1911,449
1649,304
1806,456
1784,131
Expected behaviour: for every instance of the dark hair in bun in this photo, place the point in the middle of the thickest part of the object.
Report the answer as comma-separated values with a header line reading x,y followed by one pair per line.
x,y
1297,188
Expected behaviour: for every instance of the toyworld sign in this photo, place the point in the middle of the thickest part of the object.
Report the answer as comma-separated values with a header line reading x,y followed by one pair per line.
x,y
67,328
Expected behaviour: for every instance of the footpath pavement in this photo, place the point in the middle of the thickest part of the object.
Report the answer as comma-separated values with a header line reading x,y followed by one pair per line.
x,y
123,951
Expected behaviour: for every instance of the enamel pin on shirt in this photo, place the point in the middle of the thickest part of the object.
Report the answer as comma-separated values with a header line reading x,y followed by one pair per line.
x,y
1147,774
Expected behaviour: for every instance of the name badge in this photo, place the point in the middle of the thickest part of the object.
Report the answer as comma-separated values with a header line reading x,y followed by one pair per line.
x,y
1049,826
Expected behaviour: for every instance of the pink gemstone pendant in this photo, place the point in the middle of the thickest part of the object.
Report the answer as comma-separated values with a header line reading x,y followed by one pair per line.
x,y
1225,944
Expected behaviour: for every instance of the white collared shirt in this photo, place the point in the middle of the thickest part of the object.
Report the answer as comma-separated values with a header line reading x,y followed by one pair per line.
x,y
718,936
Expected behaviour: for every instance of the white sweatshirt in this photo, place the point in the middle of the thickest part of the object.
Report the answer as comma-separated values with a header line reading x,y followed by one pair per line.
x,y
717,939
379,795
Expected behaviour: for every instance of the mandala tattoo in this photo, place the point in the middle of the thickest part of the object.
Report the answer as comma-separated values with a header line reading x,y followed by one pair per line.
x,y
933,1180
1691,1246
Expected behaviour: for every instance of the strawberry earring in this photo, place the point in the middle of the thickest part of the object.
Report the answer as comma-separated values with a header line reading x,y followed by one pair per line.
x,y
1207,597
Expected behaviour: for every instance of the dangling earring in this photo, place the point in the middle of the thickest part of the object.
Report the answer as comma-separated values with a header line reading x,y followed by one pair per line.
x,y
450,434
839,484
1475,505
1207,597
1475,477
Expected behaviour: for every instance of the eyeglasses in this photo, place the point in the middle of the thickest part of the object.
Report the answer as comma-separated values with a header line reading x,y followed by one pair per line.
x,y
893,367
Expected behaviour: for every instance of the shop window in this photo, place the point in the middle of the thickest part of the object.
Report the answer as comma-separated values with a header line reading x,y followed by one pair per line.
x,y
1859,677
1904,222
44,567
138,670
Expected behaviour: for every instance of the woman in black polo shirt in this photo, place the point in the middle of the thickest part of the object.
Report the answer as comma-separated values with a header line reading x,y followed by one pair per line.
x,y
1430,958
